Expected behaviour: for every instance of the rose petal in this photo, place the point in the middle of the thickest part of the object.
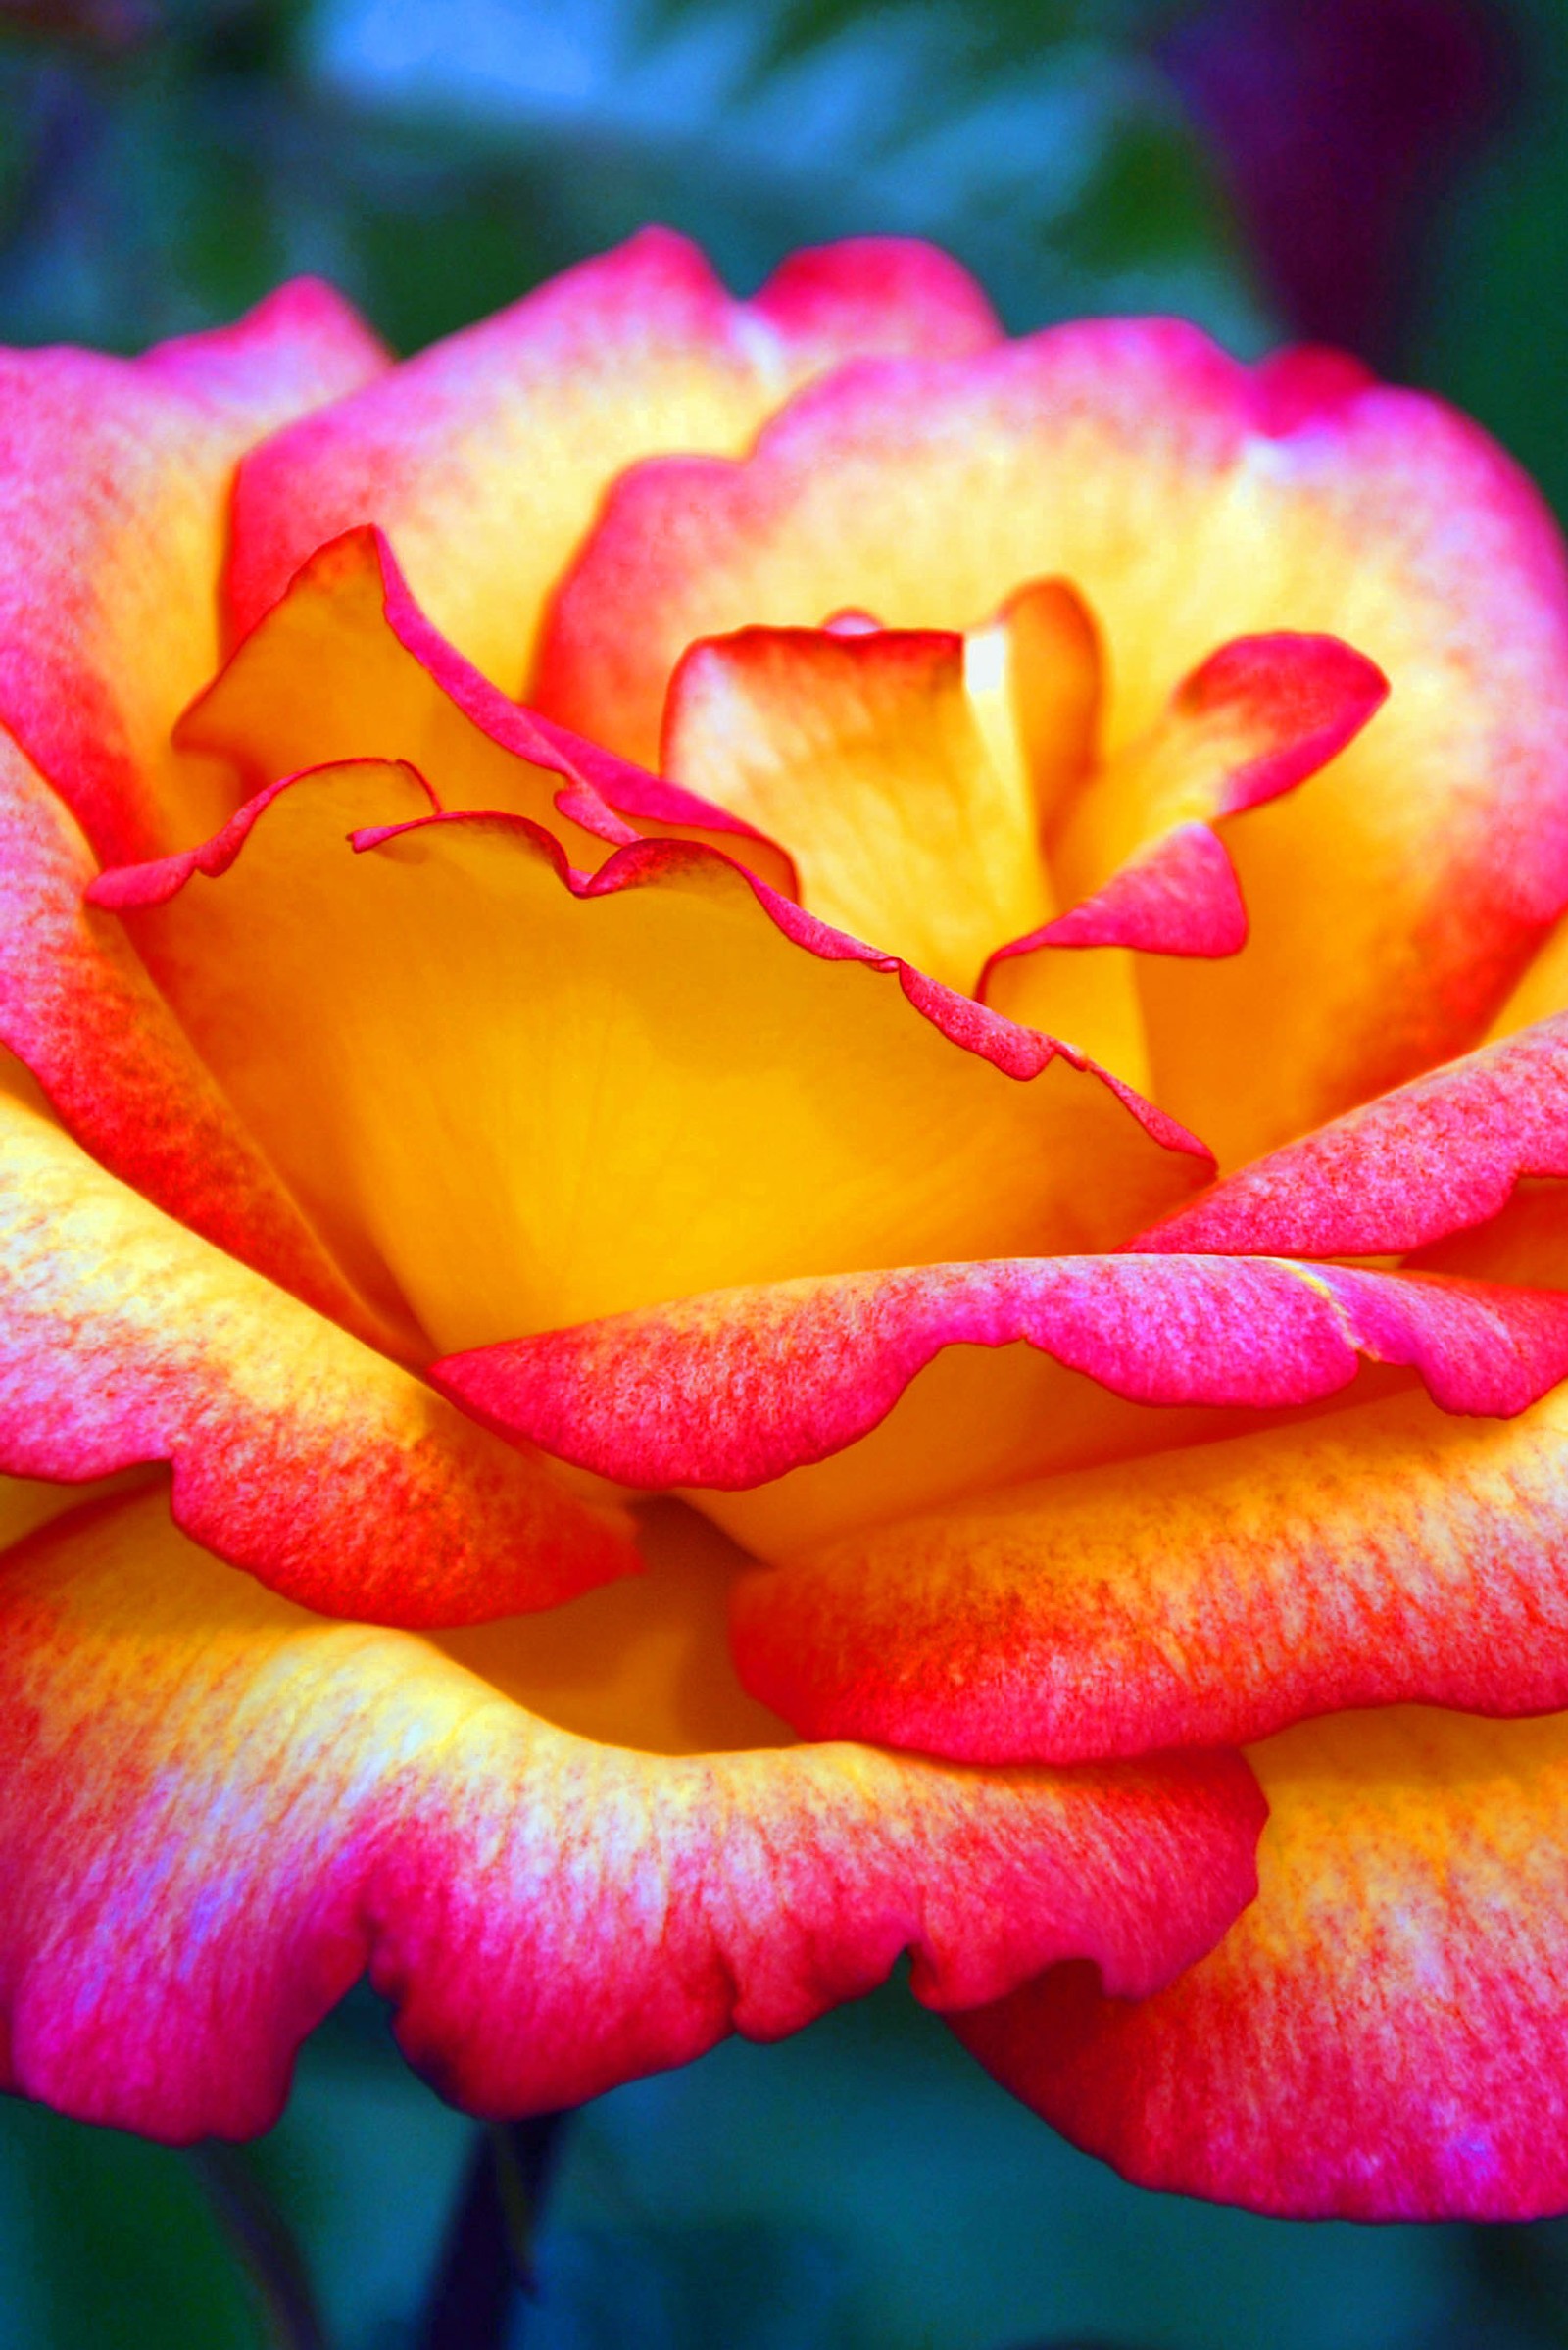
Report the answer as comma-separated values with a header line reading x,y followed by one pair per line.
x,y
539,1099
1135,853
1441,1154
77,1008
345,666
1384,2034
733,1389
113,482
1371,1555
298,1453
1542,989
910,823
1394,896
485,455
219,1810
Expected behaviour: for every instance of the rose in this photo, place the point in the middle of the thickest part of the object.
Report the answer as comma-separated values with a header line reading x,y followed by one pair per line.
x,y
437,1117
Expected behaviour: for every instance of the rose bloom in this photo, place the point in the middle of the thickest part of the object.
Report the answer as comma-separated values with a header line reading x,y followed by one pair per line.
x,y
939,949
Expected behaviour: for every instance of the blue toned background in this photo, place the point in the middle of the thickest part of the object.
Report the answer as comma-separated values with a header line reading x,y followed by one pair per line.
x,y
1388,174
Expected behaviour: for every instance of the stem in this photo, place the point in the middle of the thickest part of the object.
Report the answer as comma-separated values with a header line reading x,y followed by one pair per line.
x,y
261,2239
488,2256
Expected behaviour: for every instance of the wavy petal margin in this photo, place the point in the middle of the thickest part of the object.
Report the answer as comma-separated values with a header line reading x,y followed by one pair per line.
x,y
741,1385
346,667
484,457
1137,851
1191,501
1384,2034
912,821
298,1453
1377,1555
219,1811
1435,1156
543,1097
114,512
79,1009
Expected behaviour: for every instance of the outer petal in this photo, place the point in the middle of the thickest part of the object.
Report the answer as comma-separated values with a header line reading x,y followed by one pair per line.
x,y
77,1005
1368,1556
485,457
1384,2035
737,1387
114,493
539,1099
1191,503
298,1453
1438,1156
219,1810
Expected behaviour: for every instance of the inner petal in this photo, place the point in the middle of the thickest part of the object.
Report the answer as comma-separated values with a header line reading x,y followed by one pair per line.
x,y
912,821
1391,905
345,666
527,1099
1258,716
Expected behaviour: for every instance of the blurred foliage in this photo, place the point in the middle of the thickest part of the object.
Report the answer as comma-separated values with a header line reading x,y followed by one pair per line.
x,y
1492,325
434,157
162,163
863,2187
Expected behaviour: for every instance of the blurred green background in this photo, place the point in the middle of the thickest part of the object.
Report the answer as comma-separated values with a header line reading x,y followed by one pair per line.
x,y
1389,173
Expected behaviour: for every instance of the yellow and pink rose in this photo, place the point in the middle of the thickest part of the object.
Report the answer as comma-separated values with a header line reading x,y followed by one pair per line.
x,y
940,948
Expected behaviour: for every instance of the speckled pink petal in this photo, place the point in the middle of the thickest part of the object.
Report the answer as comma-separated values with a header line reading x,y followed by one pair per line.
x,y
219,1810
745,1385
1384,2034
1435,1157
485,455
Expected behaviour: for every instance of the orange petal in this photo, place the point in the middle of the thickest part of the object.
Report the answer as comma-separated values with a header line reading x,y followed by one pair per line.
x,y
218,1811
1045,653
866,757
530,1100
1375,1554
1384,2033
